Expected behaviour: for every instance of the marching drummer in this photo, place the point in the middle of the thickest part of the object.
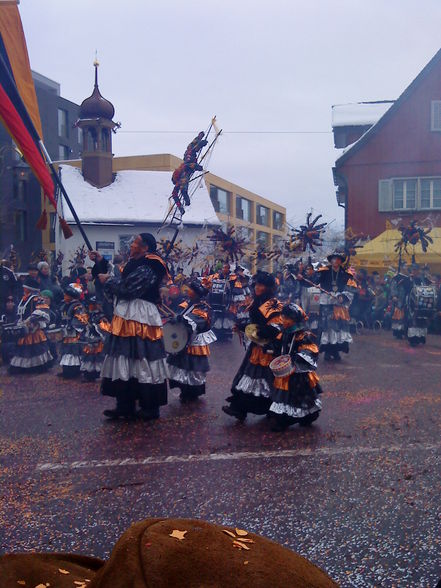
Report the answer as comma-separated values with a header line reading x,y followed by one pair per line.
x,y
252,385
420,306
296,389
188,369
337,291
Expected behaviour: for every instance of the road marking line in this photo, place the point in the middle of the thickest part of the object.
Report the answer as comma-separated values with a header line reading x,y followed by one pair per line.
x,y
234,456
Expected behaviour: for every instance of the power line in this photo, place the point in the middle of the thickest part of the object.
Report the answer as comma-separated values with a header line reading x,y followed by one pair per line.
x,y
232,132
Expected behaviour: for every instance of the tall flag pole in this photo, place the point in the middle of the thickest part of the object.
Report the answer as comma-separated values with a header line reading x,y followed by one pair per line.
x,y
20,115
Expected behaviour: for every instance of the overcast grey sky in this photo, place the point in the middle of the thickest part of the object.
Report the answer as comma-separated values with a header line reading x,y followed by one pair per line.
x,y
258,65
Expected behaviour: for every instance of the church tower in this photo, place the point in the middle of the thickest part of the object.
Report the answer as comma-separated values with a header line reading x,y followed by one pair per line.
x,y
96,122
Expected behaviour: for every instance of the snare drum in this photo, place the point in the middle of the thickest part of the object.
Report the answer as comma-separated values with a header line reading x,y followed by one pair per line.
x,y
422,301
311,300
282,366
176,337
11,333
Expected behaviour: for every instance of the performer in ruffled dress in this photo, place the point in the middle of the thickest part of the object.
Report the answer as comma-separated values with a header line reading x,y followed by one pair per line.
x,y
296,389
334,306
188,369
92,353
74,320
252,385
32,351
135,365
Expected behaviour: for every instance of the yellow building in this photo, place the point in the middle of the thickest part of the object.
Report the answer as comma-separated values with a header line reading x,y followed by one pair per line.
x,y
257,219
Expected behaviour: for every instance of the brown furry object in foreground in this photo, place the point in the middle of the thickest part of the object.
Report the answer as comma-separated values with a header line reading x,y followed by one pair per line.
x,y
160,553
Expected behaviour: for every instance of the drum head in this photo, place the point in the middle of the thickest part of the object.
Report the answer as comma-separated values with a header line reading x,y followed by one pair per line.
x,y
176,337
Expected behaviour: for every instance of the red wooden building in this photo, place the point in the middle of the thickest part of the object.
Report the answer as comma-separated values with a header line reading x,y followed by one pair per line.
x,y
392,172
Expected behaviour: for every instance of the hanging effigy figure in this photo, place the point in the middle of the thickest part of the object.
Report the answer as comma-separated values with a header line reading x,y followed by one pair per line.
x,y
192,152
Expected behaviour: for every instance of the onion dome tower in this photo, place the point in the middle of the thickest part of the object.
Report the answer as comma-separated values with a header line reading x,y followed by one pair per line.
x,y
96,122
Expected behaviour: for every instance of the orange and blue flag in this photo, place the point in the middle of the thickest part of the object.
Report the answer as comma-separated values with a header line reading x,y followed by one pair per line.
x,y
18,101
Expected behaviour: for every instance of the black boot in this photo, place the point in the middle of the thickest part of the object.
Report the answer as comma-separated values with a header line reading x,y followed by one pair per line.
x,y
115,414
309,419
149,415
278,424
238,414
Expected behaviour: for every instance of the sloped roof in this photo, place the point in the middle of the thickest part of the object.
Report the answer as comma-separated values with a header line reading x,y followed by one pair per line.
x,y
134,197
390,112
359,114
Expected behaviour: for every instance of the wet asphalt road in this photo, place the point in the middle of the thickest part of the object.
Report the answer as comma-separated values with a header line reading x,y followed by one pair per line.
x,y
359,493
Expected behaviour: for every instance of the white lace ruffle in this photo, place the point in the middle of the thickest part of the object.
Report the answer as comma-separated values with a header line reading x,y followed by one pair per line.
x,y
308,358
186,377
91,366
258,387
331,337
204,339
30,362
70,360
292,411
139,310
417,332
223,323
123,368
238,298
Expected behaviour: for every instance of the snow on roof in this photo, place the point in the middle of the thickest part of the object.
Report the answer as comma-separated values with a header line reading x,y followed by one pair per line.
x,y
134,196
359,114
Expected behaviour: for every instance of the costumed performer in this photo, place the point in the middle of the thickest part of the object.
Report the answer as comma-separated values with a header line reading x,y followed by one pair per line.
x,y
73,322
295,397
135,365
252,385
32,352
95,334
334,306
188,369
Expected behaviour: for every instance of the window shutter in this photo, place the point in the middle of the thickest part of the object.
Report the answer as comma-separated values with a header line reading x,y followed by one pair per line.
x,y
385,195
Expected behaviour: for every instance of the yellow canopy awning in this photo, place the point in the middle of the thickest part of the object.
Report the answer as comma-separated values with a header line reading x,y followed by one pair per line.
x,y
379,254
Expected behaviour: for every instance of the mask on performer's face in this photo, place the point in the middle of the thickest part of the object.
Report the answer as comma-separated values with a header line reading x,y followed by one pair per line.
x,y
259,289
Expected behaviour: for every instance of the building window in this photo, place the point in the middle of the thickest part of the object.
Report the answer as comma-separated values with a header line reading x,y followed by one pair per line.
x,y
435,115
92,142
405,194
220,199
277,220
262,238
262,215
21,226
62,123
80,137
243,208
105,140
431,193
409,194
245,233
63,152
20,189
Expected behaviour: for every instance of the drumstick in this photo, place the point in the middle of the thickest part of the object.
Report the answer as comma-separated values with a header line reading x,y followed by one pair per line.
x,y
319,287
